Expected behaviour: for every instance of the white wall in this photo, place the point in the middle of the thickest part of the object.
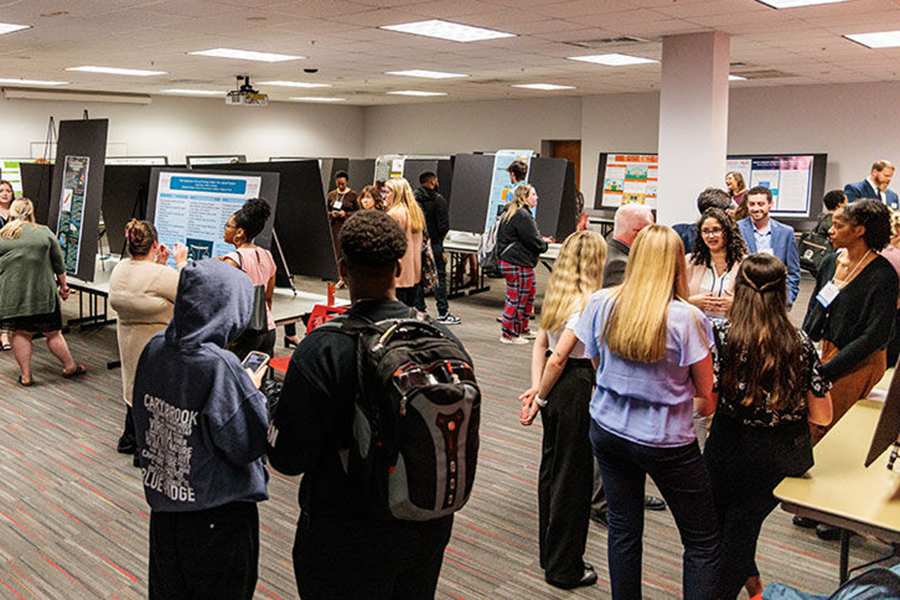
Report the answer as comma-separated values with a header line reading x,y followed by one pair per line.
x,y
458,127
176,127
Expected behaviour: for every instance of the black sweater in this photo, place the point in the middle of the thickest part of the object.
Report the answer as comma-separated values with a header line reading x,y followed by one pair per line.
x,y
859,320
437,214
519,241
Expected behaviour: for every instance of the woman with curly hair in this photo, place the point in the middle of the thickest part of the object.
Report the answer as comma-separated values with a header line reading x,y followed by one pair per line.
x,y
853,304
564,487
713,263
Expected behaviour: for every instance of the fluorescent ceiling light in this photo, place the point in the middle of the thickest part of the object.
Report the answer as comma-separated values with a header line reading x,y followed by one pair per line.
x,y
246,55
193,92
736,78
445,30
614,60
10,27
796,3
317,99
416,93
426,74
116,71
31,81
877,39
544,86
296,84
27,94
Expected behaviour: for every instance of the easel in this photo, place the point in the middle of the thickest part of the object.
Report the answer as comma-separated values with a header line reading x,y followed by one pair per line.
x,y
290,276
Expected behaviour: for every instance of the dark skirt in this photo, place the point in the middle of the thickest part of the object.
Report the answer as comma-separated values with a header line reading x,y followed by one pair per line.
x,y
35,323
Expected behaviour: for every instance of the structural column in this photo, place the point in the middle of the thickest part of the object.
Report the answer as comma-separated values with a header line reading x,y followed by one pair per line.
x,y
693,122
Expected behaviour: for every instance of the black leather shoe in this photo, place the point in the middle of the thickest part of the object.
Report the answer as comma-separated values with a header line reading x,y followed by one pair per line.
x,y
589,577
804,522
125,446
654,503
600,516
827,532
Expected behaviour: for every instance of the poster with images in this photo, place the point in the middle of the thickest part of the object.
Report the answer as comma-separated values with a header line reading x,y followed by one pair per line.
x,y
9,167
71,209
630,179
194,209
389,166
501,186
789,178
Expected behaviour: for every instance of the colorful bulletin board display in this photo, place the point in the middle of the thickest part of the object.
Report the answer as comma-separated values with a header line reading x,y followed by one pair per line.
x,y
11,172
501,188
71,209
630,179
788,177
389,166
193,207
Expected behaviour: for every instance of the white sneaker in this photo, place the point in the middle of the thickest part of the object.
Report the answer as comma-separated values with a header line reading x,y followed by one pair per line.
x,y
448,319
515,340
529,335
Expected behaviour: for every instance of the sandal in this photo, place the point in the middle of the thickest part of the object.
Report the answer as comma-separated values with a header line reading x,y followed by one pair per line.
x,y
5,347
79,370
23,384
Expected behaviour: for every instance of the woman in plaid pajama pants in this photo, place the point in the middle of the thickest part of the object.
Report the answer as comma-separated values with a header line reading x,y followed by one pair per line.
x,y
521,244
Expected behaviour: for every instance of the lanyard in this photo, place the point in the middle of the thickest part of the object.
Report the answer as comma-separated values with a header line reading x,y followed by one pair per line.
x,y
850,275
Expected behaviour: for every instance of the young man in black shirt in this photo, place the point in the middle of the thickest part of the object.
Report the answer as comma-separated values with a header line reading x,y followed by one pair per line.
x,y
342,550
437,219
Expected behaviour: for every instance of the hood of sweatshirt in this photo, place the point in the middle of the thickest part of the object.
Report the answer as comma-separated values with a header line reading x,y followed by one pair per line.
x,y
213,304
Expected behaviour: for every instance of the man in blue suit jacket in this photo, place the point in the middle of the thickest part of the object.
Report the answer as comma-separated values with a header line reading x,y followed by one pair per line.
x,y
763,234
875,185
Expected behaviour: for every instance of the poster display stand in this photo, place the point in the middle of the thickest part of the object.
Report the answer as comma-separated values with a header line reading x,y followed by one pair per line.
x,y
77,192
37,181
500,181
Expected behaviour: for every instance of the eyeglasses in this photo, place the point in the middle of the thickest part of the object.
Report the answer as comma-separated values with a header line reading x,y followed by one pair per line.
x,y
715,232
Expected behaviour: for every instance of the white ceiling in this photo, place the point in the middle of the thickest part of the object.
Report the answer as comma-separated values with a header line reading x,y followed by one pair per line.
x,y
342,40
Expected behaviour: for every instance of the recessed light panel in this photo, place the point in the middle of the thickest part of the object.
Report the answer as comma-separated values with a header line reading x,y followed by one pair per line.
x,y
614,60
878,39
416,93
246,55
736,78
426,74
116,71
193,92
544,86
295,84
797,3
317,99
31,82
445,30
10,27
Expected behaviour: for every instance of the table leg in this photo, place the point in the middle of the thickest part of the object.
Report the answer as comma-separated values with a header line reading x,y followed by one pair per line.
x,y
845,554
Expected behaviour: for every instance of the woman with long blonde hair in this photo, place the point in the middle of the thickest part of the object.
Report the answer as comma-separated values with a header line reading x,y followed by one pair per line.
x,y
519,245
564,488
32,281
651,350
408,214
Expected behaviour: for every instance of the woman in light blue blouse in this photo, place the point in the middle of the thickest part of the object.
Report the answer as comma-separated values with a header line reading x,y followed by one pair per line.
x,y
651,349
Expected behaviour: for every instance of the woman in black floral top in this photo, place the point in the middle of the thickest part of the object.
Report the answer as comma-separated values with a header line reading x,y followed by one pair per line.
x,y
769,389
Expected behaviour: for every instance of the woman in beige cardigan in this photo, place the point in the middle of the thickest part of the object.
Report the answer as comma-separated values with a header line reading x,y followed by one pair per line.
x,y
142,292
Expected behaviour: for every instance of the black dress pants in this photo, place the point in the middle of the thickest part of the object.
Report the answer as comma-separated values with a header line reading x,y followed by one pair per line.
x,y
565,481
339,557
204,554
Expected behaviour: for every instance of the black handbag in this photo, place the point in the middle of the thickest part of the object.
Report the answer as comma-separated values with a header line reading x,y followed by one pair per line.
x,y
259,318
813,248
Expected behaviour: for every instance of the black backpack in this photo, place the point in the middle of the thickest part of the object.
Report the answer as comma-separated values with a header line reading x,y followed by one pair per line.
x,y
416,415
813,249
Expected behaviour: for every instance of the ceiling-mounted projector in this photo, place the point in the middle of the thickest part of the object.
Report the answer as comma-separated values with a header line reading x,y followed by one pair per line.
x,y
245,95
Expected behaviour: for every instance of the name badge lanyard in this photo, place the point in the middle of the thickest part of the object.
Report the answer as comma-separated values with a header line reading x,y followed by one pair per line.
x,y
831,290
339,201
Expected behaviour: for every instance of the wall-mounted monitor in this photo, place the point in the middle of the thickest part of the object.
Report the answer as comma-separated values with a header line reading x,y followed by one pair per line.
x,y
198,160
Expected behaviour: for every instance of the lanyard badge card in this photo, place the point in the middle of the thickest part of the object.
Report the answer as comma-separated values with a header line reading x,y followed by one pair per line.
x,y
827,294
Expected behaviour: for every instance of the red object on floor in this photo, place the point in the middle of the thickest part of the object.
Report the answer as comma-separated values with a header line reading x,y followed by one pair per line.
x,y
322,313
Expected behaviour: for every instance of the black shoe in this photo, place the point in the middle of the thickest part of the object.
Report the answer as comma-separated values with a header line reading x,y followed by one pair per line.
x,y
804,522
125,446
589,577
136,460
654,503
600,516
827,532
588,566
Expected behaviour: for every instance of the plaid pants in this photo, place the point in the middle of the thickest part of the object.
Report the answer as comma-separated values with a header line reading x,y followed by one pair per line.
x,y
519,298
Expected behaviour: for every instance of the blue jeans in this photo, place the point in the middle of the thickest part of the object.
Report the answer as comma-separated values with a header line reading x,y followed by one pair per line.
x,y
680,474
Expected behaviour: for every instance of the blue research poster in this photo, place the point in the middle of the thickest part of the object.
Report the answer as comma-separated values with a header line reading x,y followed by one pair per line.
x,y
500,185
194,208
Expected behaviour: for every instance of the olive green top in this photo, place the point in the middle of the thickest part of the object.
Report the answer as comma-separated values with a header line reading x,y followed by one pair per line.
x,y
29,265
